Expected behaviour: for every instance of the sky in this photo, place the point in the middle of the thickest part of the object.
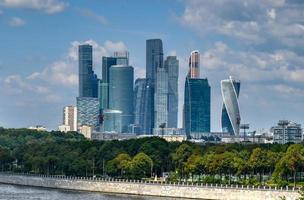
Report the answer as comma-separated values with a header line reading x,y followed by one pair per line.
x,y
259,43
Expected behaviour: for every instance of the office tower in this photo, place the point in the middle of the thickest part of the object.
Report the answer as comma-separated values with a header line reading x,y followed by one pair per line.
x,y
154,57
197,105
230,111
121,92
112,122
120,58
194,65
172,65
139,102
88,112
154,60
161,98
88,82
287,132
70,117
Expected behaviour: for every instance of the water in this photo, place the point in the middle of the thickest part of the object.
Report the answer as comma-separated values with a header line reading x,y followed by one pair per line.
x,y
11,192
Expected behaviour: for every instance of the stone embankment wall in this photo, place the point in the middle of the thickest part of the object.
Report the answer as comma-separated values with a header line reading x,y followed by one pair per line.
x,y
216,192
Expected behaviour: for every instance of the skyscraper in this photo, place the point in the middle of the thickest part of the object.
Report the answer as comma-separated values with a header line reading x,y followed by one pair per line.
x,y
70,117
194,65
197,105
121,92
87,102
139,102
154,60
88,82
172,65
161,98
231,118
119,58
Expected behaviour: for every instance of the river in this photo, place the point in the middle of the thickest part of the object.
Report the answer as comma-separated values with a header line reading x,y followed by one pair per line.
x,y
12,192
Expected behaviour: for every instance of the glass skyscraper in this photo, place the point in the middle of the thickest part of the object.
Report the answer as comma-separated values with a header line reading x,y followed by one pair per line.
x,y
172,65
231,118
121,93
197,105
154,60
139,102
88,82
88,112
161,98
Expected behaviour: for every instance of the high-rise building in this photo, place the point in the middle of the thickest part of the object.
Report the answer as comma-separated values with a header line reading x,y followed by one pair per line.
x,y
154,60
231,118
88,82
139,102
287,132
122,57
197,106
194,65
172,65
70,117
112,121
119,58
88,112
161,98
121,93
154,57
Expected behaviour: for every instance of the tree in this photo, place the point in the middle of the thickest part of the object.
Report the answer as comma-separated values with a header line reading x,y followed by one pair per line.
x,y
141,166
180,157
258,161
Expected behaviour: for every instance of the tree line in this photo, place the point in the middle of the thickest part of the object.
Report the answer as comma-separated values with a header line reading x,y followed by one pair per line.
x,y
56,153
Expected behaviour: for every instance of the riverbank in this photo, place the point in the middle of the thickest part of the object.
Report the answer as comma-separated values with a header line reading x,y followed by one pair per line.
x,y
142,188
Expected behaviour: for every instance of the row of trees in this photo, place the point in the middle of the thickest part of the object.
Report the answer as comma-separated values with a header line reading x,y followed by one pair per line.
x,y
31,151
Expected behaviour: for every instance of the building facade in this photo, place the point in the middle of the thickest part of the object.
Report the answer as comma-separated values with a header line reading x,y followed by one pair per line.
x,y
172,65
194,65
231,118
161,98
197,106
154,60
88,112
121,93
119,58
70,117
287,132
112,121
88,82
139,103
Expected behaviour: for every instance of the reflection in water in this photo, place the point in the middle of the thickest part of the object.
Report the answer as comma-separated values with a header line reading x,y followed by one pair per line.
x,y
11,192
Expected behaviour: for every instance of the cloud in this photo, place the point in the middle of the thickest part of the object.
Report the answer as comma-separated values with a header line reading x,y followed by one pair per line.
x,y
254,66
63,72
16,22
89,13
47,6
269,22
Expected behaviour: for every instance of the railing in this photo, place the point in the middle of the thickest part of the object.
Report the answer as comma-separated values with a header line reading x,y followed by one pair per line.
x,y
149,182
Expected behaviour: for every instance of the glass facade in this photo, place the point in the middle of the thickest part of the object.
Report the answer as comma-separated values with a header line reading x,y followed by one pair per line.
x,y
172,65
154,60
194,65
121,93
139,102
88,112
287,132
231,118
197,105
112,121
161,98
88,82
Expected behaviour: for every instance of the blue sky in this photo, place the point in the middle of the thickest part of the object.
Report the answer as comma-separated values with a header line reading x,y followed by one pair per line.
x,y
260,43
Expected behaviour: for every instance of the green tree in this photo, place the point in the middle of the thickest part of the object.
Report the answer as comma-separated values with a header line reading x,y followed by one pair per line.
x,y
180,157
141,166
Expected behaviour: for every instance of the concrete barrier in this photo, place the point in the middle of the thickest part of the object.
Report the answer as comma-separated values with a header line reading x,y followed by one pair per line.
x,y
195,191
